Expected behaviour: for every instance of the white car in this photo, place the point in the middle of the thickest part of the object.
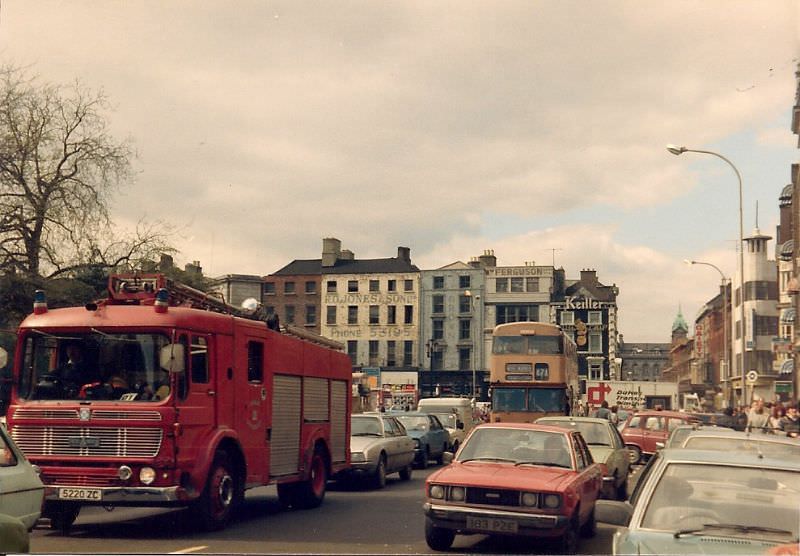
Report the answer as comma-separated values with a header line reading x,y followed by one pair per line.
x,y
22,491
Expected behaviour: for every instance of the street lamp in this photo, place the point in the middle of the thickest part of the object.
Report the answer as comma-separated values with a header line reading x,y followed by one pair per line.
x,y
472,299
725,345
680,150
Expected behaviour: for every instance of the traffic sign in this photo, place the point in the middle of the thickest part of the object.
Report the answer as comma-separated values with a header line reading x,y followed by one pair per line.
x,y
752,376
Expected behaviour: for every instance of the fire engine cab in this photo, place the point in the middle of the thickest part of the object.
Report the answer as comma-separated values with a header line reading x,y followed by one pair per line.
x,y
161,395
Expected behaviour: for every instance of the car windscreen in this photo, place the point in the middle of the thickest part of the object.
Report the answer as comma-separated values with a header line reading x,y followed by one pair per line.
x,y
414,422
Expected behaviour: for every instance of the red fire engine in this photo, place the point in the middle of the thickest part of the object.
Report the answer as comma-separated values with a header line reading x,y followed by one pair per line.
x,y
161,395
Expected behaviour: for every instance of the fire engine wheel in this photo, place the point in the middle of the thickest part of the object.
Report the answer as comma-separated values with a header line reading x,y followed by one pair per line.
x,y
62,515
311,492
219,499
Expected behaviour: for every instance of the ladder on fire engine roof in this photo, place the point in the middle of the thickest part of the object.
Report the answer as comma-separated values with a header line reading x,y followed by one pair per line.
x,y
134,288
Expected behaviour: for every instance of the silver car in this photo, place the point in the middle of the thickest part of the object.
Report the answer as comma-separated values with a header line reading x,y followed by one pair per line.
x,y
379,445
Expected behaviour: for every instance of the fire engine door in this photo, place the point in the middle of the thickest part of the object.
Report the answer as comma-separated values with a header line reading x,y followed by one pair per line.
x,y
195,396
252,416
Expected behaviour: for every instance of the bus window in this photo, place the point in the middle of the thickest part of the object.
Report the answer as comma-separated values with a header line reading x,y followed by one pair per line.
x,y
546,399
508,344
509,399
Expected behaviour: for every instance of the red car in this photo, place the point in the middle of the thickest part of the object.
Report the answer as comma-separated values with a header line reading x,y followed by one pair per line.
x,y
515,479
642,430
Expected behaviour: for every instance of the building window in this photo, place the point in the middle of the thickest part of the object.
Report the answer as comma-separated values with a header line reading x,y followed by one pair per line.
x,y
408,352
437,304
255,362
270,309
331,286
391,285
437,329
408,316
330,316
391,315
288,287
464,329
408,285
438,282
269,288
464,281
352,351
595,317
374,312
352,286
373,352
501,285
289,314
531,284
311,314
391,353
464,304
374,285
567,317
437,360
595,371
352,314
516,313
517,285
311,287
595,343
464,359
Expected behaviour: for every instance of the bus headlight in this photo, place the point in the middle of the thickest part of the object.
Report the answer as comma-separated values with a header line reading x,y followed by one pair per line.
x,y
436,491
458,494
147,475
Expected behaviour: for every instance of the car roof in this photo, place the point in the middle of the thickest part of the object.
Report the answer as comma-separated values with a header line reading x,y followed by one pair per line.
x,y
747,459
664,413
723,432
524,426
598,420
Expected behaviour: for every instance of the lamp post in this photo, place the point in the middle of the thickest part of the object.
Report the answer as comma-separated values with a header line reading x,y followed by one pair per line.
x,y
472,299
725,345
680,150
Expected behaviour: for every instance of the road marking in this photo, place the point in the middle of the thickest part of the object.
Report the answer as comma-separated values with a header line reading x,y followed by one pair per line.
x,y
188,550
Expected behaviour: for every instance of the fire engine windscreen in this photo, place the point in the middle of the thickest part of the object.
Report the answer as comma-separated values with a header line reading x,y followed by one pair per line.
x,y
96,366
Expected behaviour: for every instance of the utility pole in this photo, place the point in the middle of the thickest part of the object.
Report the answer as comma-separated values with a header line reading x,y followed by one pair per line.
x,y
553,250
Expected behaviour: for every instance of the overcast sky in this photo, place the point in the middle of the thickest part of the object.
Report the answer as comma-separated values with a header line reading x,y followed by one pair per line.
x,y
447,127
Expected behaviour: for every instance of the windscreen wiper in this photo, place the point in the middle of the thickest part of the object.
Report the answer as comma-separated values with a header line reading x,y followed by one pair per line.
x,y
734,526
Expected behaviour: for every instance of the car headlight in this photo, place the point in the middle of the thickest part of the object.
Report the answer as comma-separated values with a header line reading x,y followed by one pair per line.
x,y
458,494
417,443
356,457
529,499
552,501
436,491
147,475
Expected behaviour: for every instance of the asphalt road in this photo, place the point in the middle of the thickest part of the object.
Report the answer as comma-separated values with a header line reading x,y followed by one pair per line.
x,y
351,521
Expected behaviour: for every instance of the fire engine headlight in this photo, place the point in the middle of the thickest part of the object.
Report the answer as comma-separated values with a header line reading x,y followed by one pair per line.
x,y
437,491
124,472
529,499
357,457
552,501
457,494
147,475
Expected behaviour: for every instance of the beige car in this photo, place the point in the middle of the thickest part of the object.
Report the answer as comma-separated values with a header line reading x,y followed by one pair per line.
x,y
379,445
607,447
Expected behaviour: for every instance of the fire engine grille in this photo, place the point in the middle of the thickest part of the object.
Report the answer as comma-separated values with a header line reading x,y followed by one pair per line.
x,y
76,480
117,415
87,441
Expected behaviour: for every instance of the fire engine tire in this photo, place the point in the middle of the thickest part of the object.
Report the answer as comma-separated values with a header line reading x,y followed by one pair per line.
x,y
379,478
405,473
437,538
311,492
218,502
62,515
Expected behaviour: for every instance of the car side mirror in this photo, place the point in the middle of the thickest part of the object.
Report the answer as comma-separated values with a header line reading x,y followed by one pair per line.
x,y
659,445
447,458
613,512
3,357
171,358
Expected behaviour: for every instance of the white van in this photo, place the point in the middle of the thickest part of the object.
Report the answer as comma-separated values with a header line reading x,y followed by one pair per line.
x,y
456,414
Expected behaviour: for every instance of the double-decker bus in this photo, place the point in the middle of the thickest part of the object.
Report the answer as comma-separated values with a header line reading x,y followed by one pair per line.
x,y
533,372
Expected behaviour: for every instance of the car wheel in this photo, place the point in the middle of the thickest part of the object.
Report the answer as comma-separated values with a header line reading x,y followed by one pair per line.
x,y
440,459
635,453
569,540
405,473
379,478
424,460
589,529
62,515
622,490
438,538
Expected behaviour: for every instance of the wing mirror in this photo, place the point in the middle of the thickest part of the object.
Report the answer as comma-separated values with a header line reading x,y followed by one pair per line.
x,y
172,358
3,358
